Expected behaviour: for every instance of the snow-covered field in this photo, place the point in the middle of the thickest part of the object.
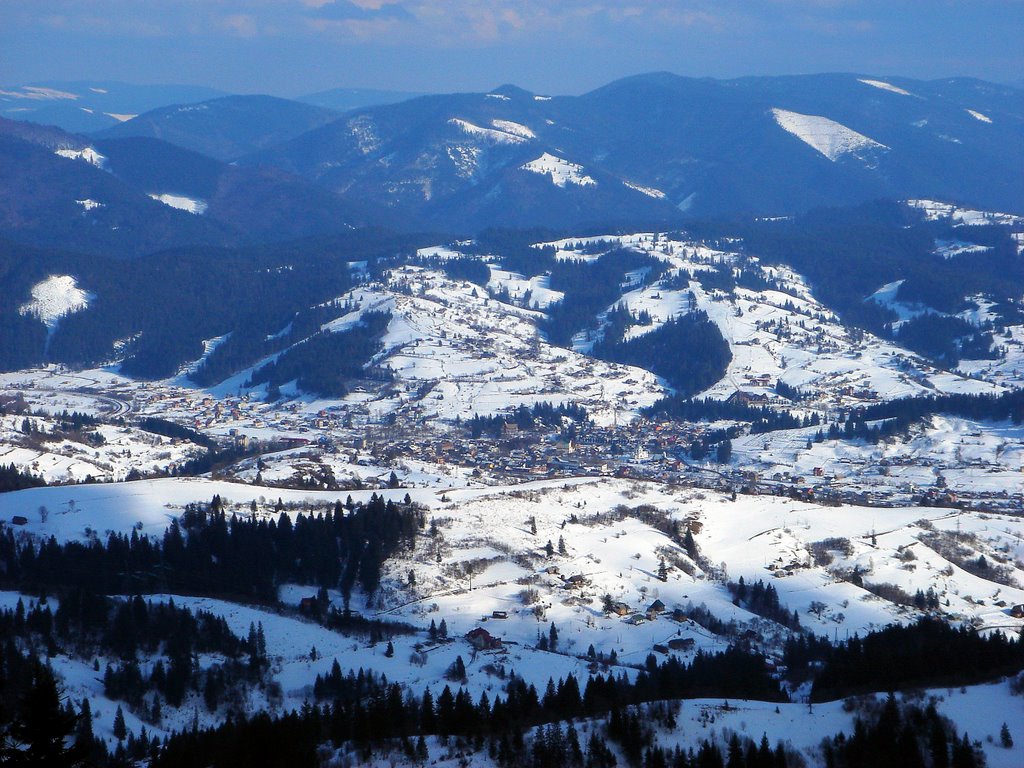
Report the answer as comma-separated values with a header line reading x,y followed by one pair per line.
x,y
485,557
486,533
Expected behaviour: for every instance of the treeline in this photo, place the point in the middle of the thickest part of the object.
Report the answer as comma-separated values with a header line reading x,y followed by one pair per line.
x,y
1006,406
326,362
871,423
761,418
946,339
902,737
267,334
367,712
847,254
174,430
514,248
764,601
929,653
168,303
37,728
86,624
858,429
618,320
211,553
364,714
537,416
213,459
472,270
689,352
14,479
633,732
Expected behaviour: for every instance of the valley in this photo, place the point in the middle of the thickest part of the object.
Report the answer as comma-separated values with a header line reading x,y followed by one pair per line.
x,y
503,429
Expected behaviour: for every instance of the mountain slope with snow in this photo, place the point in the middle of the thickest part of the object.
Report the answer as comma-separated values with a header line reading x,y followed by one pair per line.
x,y
706,146
831,139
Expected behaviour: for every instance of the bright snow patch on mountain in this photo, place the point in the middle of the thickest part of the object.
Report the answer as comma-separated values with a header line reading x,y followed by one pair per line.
x,y
649,191
979,116
55,297
498,96
884,86
365,134
969,217
465,158
37,93
561,171
947,249
119,117
538,288
886,296
828,137
488,134
516,129
90,205
88,154
182,203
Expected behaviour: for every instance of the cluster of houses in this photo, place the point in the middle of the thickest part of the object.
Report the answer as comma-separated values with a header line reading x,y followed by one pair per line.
x,y
482,640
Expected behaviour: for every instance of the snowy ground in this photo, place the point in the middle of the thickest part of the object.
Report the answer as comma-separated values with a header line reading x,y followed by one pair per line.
x,y
485,558
979,710
456,352
485,542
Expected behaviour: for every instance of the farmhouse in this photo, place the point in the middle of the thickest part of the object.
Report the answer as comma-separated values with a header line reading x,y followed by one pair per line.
x,y
621,609
482,640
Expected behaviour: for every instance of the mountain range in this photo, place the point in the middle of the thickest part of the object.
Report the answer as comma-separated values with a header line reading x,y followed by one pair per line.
x,y
135,196
660,146
652,150
92,105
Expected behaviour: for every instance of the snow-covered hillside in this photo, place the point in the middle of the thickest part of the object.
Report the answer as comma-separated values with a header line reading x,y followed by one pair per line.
x,y
497,135
486,563
831,139
86,154
562,172
882,85
935,210
774,335
456,352
55,297
181,202
611,535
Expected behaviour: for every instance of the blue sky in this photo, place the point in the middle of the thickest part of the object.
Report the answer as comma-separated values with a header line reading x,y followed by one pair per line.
x,y
294,47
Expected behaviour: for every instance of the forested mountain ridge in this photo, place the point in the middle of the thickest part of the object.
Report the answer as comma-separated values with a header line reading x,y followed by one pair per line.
x,y
654,147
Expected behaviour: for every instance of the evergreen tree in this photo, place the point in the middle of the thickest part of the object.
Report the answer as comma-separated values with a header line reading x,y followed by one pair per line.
x,y
43,726
120,730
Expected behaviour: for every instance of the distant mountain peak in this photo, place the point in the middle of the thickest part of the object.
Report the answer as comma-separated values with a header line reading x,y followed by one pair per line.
x,y
511,91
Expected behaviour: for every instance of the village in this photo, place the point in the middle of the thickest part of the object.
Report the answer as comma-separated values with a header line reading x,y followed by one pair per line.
x,y
364,451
